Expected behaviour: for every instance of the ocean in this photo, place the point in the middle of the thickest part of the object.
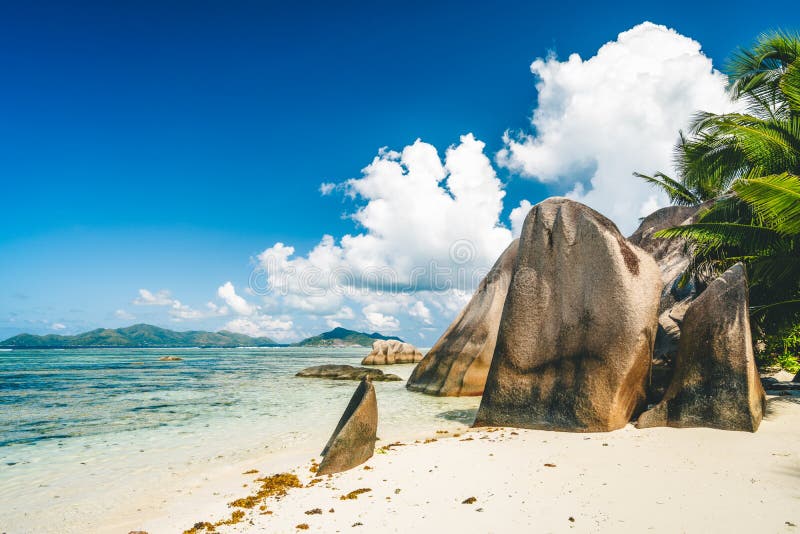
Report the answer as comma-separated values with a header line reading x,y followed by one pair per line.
x,y
91,438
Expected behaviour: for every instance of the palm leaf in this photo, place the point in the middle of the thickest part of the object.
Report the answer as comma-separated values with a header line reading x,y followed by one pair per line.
x,y
712,235
677,192
792,304
775,198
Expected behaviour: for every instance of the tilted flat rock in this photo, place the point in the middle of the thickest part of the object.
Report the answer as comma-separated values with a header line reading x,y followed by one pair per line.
x,y
576,335
346,372
353,440
459,361
715,383
391,351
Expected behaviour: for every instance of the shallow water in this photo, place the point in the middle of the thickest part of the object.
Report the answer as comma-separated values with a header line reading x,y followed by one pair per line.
x,y
85,433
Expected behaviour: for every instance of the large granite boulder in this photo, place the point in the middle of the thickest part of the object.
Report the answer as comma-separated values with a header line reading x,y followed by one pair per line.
x,y
576,336
715,383
670,254
391,351
353,440
673,257
459,361
346,372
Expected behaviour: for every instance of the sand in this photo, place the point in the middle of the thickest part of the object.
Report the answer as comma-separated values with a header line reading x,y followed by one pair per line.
x,y
630,480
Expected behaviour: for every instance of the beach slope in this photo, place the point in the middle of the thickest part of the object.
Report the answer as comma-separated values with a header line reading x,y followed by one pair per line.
x,y
506,480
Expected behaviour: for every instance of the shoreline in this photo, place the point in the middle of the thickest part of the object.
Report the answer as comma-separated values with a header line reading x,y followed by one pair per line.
x,y
210,490
659,479
170,433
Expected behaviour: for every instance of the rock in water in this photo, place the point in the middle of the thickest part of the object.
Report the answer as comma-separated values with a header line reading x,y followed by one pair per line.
x,y
353,441
459,361
391,351
346,372
715,383
576,336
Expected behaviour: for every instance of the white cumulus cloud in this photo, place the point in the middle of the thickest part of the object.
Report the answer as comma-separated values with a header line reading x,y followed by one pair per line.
x,y
430,226
344,314
598,120
148,298
252,321
517,217
380,322
178,311
421,312
262,326
238,304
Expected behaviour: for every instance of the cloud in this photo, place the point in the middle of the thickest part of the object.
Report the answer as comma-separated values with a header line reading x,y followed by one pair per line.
x,y
262,326
599,120
178,311
380,322
124,315
58,326
416,211
344,314
238,304
148,298
421,312
517,217
182,311
326,188
252,321
429,225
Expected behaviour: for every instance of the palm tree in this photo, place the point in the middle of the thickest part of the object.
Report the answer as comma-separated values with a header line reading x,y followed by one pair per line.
x,y
758,224
748,163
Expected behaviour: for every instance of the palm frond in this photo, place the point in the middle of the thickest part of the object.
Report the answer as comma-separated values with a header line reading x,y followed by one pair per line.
x,y
793,304
790,86
713,235
775,198
677,192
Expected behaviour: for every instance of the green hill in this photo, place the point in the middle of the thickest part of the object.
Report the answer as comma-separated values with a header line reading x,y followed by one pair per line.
x,y
137,336
342,337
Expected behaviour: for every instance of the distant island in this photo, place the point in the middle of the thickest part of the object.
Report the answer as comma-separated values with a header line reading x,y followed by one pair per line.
x,y
342,337
138,336
149,336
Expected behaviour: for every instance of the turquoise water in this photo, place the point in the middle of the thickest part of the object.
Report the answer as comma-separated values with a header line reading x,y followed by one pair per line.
x,y
73,423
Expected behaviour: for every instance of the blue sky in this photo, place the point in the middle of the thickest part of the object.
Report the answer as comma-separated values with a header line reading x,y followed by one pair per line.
x,y
165,145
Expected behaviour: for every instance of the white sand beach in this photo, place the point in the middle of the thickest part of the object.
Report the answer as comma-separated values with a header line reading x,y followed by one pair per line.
x,y
631,480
